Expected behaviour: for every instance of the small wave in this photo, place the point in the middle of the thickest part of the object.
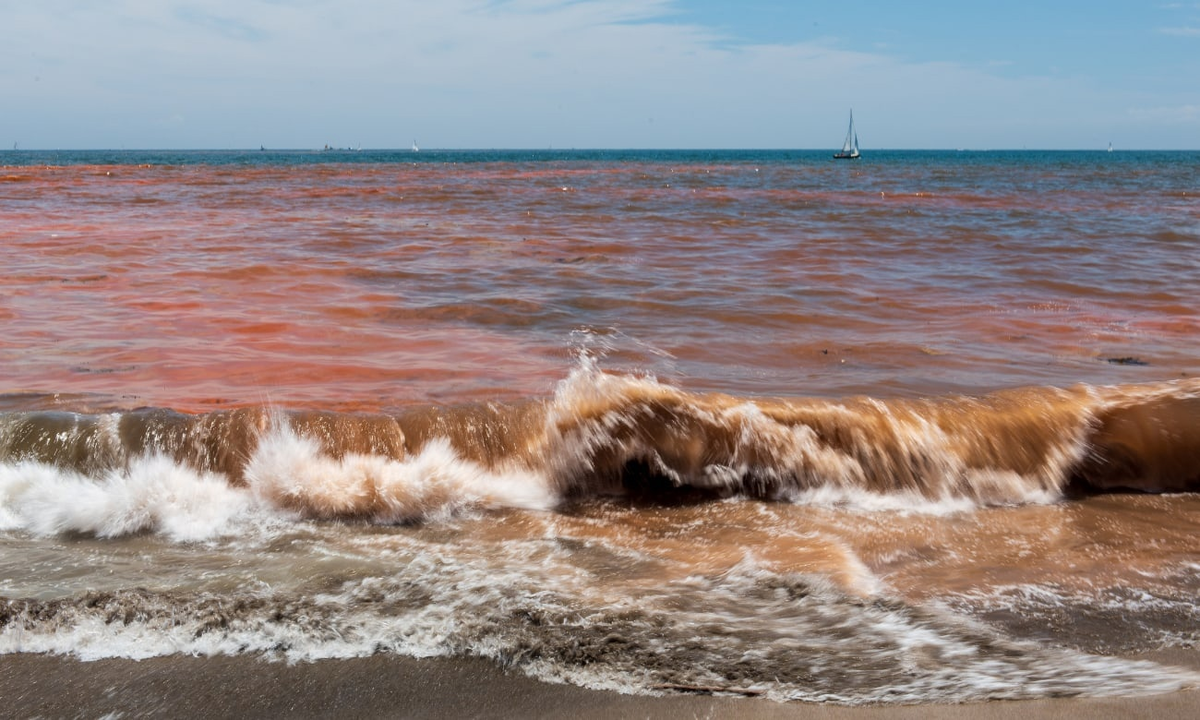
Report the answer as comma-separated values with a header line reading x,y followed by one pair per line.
x,y
605,431
155,469
1107,620
286,472
290,471
780,635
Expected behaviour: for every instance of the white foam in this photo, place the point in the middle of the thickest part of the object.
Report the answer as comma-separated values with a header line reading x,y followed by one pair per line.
x,y
793,637
153,494
289,470
287,474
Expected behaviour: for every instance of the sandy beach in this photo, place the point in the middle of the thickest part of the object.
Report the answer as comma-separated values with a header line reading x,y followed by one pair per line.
x,y
388,686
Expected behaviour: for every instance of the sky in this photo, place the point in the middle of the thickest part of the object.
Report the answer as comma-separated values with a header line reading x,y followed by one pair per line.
x,y
598,74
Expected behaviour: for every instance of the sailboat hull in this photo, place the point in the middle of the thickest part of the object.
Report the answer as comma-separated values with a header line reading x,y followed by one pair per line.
x,y
852,155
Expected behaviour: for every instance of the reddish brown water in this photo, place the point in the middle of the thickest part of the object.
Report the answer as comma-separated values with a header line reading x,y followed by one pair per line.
x,y
627,420
375,285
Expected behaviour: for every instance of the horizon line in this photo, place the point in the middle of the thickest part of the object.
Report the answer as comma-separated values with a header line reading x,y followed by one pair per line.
x,y
581,149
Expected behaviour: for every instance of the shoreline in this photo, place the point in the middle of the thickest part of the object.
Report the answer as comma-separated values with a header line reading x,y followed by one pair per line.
x,y
51,686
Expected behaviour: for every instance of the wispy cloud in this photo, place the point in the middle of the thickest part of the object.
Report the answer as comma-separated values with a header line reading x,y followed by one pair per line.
x,y
511,73
1170,115
222,25
1184,31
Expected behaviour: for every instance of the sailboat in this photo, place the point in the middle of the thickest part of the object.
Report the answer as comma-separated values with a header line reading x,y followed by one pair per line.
x,y
849,149
415,148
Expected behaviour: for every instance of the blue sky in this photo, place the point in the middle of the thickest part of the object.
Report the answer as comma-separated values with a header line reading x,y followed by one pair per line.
x,y
598,73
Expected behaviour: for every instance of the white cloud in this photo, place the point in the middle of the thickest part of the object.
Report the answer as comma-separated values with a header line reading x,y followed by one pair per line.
x,y
1184,31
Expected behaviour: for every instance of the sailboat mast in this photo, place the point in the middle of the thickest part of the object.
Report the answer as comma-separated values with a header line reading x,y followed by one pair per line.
x,y
849,149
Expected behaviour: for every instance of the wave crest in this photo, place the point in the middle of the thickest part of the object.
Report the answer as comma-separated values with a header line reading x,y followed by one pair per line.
x,y
157,470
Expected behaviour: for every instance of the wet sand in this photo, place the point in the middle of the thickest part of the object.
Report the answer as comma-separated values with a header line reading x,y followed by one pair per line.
x,y
388,686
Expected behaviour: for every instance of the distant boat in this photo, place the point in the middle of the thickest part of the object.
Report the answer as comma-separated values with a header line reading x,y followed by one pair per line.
x,y
415,148
1110,147
849,149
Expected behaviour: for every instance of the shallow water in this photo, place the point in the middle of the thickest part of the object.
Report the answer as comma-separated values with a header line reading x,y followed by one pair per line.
x,y
810,430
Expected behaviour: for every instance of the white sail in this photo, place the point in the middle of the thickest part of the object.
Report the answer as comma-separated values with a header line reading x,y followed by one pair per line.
x,y
850,146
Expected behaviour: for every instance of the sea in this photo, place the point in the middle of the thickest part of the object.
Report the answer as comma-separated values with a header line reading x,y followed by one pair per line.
x,y
921,427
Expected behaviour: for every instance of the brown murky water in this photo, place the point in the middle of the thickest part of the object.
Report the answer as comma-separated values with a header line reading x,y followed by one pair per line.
x,y
750,420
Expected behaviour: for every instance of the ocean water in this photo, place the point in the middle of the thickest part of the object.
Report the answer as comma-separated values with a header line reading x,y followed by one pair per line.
x,y
923,427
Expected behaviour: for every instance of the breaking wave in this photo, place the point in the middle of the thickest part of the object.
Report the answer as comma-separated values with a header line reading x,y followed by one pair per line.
x,y
189,476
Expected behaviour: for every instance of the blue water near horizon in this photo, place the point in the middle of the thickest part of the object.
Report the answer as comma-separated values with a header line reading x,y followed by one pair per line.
x,y
286,157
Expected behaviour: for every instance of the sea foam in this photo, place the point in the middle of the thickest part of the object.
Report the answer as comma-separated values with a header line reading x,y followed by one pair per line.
x,y
153,494
287,473
289,470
